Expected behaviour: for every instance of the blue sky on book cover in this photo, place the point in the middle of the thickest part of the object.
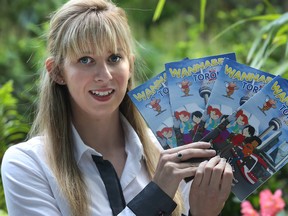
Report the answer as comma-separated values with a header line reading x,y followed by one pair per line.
x,y
259,148
235,84
152,100
190,83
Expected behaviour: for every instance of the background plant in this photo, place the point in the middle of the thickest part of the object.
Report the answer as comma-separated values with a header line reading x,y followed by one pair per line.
x,y
13,128
189,29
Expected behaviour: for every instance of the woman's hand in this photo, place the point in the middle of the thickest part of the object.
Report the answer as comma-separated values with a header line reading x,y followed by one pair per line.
x,y
171,169
211,187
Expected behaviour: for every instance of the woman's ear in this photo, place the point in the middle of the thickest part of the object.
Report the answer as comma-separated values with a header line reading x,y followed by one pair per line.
x,y
54,71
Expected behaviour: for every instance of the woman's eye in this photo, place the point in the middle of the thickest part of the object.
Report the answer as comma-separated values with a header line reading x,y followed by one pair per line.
x,y
114,58
85,60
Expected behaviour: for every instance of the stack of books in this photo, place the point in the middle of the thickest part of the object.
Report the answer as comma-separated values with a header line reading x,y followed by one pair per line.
x,y
240,110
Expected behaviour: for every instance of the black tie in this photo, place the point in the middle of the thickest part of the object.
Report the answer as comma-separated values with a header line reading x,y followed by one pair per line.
x,y
112,184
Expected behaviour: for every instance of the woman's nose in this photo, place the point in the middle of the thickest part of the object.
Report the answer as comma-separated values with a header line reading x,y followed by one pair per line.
x,y
103,72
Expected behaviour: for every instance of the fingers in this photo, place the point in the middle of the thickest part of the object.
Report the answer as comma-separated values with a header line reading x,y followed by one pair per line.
x,y
179,156
204,171
215,173
193,150
227,178
174,166
169,174
196,145
184,170
173,162
210,166
211,184
199,174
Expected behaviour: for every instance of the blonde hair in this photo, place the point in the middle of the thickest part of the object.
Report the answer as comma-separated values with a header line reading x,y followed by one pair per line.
x,y
77,27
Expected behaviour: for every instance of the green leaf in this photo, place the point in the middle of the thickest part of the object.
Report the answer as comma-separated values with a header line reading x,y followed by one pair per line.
x,y
271,37
202,14
3,213
6,98
241,22
262,50
281,69
158,10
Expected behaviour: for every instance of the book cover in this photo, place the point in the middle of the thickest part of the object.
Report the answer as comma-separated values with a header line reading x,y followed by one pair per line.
x,y
235,84
190,83
258,148
152,101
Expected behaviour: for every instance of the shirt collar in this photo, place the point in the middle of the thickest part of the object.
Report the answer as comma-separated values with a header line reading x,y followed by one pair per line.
x,y
133,145
80,147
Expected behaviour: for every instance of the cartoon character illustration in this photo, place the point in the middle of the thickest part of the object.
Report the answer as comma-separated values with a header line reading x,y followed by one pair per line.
x,y
185,125
196,119
155,105
230,88
269,103
246,149
214,71
167,133
185,87
247,131
239,123
235,140
252,167
214,118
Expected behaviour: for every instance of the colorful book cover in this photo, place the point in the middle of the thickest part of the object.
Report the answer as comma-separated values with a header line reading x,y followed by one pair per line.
x,y
235,84
258,148
190,83
152,101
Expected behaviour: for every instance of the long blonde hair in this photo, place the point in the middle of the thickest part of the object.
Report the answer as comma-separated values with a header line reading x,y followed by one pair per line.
x,y
77,27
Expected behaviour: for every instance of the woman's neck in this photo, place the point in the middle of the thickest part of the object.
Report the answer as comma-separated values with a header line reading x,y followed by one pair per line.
x,y
104,135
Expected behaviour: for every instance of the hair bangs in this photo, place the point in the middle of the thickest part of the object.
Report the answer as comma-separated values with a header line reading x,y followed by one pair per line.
x,y
93,33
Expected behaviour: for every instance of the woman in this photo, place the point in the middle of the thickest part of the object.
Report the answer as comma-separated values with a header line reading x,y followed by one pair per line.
x,y
85,122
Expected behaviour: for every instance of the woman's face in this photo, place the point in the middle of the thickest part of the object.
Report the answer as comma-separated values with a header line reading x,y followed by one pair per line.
x,y
97,84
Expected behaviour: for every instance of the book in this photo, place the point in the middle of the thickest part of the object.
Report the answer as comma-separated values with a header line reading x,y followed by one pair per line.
x,y
252,134
258,148
152,101
190,83
235,84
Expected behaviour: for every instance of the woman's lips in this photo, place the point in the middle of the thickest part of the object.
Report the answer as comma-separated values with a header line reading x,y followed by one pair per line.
x,y
102,95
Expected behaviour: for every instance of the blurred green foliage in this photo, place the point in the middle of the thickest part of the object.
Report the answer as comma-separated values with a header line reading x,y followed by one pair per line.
x,y
256,30
13,128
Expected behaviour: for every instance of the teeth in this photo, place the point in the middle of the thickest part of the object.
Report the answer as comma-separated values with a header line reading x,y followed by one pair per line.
x,y
97,93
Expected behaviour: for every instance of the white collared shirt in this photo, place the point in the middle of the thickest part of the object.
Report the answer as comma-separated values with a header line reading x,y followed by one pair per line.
x,y
31,188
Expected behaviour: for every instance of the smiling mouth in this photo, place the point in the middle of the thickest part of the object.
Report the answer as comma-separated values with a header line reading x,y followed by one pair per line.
x,y
102,93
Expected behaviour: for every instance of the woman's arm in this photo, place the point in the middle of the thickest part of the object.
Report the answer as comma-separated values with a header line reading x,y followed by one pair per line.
x,y
152,200
26,189
157,197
